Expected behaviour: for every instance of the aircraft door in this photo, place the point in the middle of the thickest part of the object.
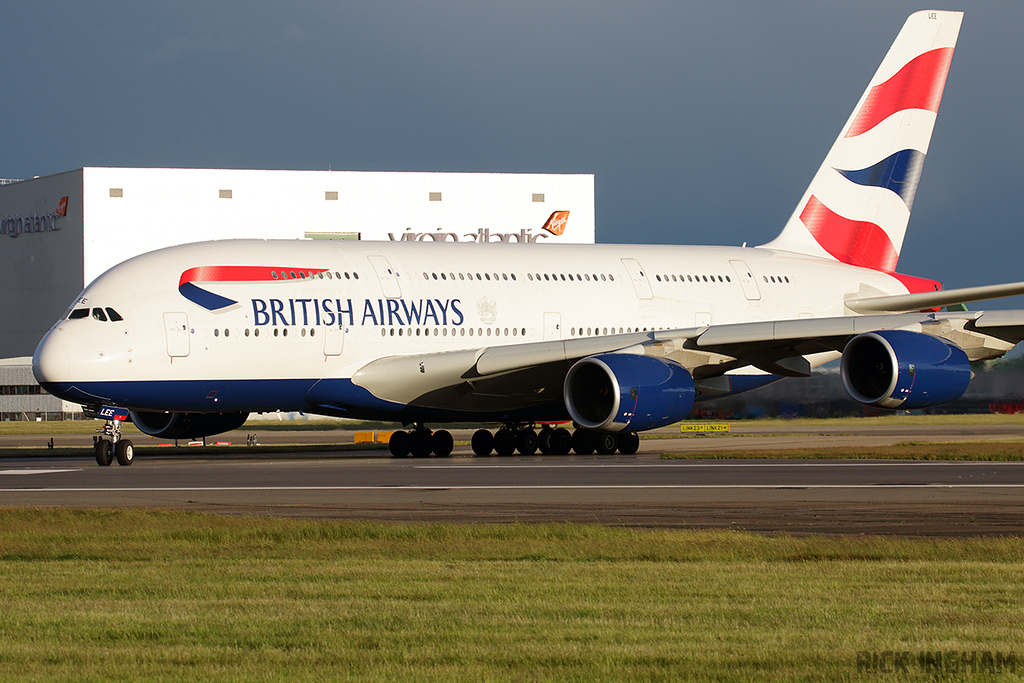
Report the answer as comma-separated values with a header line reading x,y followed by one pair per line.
x,y
334,340
640,282
386,276
552,326
176,331
747,281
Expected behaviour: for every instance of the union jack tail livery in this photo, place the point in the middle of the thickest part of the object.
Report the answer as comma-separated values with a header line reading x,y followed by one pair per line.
x,y
858,204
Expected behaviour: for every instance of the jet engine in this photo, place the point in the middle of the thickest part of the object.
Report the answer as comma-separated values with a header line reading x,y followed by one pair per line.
x,y
614,392
905,370
186,425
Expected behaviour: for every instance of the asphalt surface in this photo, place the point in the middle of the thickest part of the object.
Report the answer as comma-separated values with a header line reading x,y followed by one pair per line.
x,y
931,498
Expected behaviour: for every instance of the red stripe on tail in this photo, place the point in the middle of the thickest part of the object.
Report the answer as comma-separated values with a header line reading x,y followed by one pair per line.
x,y
857,243
918,85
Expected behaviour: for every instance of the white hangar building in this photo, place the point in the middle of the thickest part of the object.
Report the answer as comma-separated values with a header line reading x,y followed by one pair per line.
x,y
59,232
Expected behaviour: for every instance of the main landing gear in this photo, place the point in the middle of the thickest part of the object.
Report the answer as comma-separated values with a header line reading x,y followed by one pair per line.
x,y
115,446
420,442
512,438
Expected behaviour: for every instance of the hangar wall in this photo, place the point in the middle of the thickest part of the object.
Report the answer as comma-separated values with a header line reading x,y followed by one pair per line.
x,y
65,230
41,265
130,211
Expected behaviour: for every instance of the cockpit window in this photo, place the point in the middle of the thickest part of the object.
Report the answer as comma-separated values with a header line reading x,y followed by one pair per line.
x,y
114,316
78,313
99,314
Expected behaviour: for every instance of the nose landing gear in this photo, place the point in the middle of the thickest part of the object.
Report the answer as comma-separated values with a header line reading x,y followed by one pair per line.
x,y
112,444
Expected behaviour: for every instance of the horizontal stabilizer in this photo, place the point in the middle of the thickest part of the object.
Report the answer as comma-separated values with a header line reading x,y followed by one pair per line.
x,y
947,297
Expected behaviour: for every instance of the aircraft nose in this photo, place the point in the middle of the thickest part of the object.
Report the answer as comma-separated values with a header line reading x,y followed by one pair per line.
x,y
51,362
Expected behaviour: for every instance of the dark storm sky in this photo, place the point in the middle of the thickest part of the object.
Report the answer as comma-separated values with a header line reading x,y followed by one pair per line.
x,y
702,122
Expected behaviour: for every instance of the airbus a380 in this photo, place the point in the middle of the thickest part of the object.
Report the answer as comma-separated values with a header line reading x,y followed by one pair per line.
x,y
189,340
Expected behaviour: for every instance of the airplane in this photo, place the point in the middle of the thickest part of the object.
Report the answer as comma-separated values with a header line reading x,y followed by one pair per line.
x,y
189,340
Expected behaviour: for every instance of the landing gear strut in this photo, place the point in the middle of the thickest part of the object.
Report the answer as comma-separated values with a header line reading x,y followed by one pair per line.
x,y
112,445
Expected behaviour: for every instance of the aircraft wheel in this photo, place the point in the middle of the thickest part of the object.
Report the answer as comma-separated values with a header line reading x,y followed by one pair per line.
x,y
482,442
399,444
420,443
561,441
583,442
504,442
526,442
442,443
125,452
104,453
629,442
605,443
545,441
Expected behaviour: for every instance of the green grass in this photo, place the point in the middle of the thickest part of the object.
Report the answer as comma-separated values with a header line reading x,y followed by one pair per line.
x,y
888,419
132,595
907,450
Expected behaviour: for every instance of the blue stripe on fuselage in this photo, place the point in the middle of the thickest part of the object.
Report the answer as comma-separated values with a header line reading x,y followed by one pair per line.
x,y
201,297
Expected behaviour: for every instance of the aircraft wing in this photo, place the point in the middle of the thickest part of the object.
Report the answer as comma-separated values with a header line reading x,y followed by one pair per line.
x,y
533,373
942,297
517,373
779,347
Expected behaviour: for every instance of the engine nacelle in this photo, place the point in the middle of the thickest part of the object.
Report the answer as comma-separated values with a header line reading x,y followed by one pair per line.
x,y
186,425
616,391
905,370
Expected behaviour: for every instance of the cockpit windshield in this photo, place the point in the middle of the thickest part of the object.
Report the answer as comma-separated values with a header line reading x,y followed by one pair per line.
x,y
102,314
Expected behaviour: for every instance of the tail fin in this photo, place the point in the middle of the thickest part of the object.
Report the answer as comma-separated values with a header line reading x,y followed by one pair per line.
x,y
858,204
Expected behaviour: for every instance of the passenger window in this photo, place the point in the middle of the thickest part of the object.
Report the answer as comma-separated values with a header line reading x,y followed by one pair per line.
x,y
114,315
78,314
99,315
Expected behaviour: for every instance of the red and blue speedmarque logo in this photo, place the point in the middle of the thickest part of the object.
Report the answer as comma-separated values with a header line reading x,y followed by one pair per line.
x,y
233,274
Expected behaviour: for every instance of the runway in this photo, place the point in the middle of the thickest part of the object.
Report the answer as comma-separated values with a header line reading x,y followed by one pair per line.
x,y
792,496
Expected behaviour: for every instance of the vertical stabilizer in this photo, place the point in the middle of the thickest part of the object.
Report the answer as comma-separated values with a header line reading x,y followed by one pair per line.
x,y
858,204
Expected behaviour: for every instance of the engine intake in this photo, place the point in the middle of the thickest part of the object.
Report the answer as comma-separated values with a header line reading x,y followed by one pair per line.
x,y
186,425
905,370
615,392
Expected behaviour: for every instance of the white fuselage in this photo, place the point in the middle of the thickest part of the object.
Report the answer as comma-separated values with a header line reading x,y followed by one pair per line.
x,y
329,309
